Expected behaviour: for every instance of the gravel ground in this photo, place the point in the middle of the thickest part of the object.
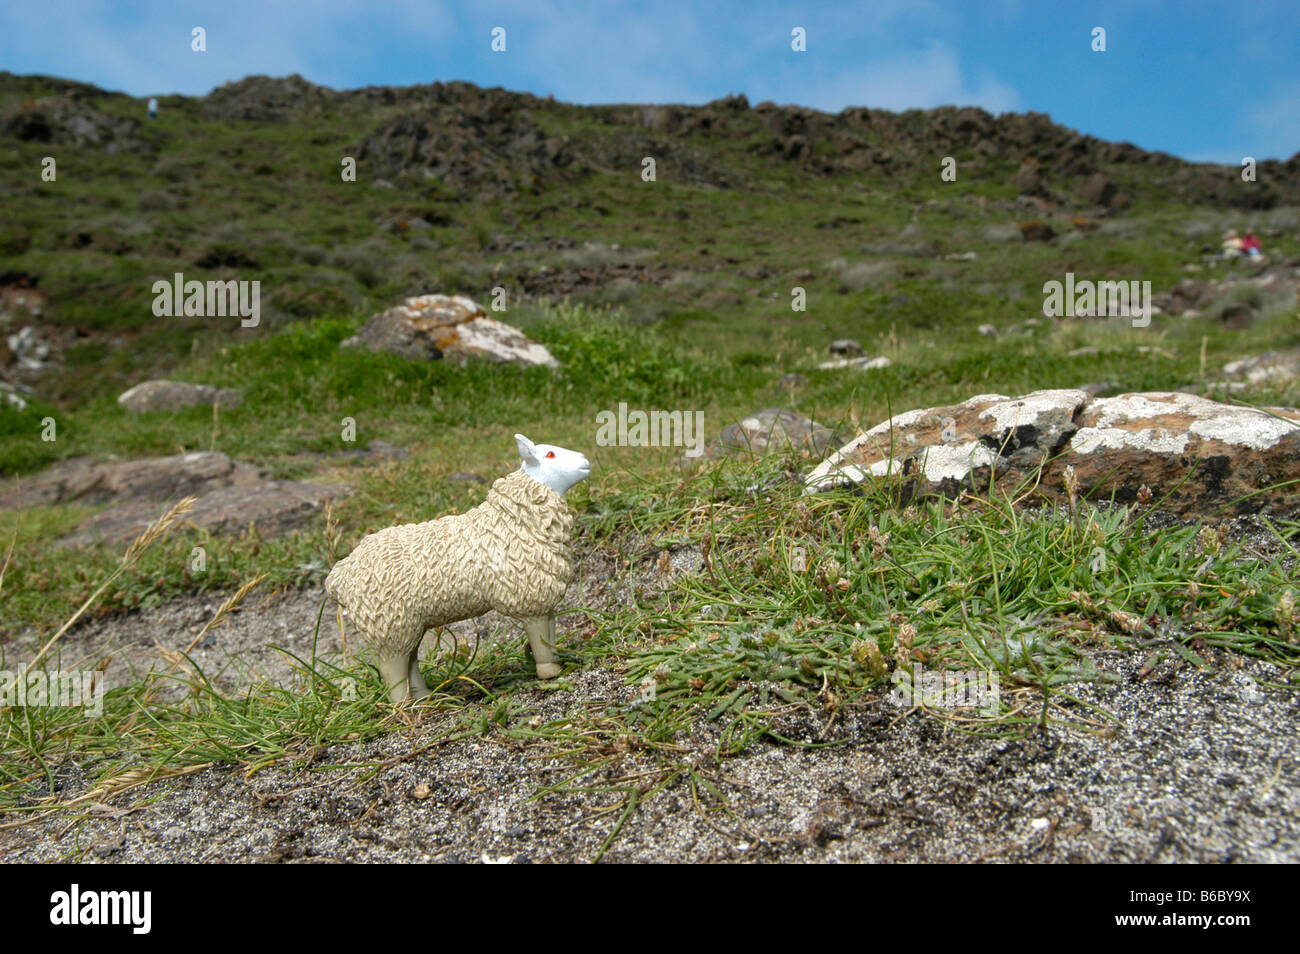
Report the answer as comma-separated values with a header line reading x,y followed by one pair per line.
x,y
1199,766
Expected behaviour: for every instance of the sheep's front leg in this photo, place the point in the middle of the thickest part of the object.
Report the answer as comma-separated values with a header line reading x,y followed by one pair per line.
x,y
396,673
541,639
418,688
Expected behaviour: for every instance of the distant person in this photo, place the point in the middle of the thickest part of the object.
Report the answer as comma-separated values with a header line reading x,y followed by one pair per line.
x,y
153,108
1231,243
1250,244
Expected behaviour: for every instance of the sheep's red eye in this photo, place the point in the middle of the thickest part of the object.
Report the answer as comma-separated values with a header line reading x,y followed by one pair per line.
x,y
550,453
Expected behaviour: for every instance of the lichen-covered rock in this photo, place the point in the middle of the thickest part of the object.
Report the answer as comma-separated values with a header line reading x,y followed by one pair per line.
x,y
174,395
1234,453
946,446
430,327
1115,445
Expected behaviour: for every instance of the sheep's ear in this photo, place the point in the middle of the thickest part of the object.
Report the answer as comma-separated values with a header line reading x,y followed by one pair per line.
x,y
526,449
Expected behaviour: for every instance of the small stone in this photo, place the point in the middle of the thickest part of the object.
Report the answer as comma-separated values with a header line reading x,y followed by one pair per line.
x,y
1099,388
1269,367
773,430
863,364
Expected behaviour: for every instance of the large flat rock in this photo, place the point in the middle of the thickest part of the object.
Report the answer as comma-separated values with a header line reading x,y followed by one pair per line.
x,y
86,481
1116,445
232,495
162,395
272,506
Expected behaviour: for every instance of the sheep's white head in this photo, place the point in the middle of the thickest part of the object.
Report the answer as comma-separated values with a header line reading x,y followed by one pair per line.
x,y
557,467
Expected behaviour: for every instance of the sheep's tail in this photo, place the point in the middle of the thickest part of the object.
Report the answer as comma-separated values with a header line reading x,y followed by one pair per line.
x,y
332,580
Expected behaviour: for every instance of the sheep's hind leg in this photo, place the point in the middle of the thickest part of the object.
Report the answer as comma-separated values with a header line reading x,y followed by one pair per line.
x,y
396,673
541,639
419,690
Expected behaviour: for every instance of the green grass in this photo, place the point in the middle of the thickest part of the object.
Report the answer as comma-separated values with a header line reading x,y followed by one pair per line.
x,y
300,388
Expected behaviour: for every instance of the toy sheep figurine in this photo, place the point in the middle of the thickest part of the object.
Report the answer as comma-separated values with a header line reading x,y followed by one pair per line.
x,y
510,553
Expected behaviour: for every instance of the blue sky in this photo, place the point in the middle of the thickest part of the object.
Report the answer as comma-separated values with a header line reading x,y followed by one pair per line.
x,y
1210,81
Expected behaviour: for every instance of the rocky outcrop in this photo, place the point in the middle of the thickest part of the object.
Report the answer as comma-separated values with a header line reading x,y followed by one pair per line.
x,y
73,122
1206,456
269,99
430,327
494,140
468,138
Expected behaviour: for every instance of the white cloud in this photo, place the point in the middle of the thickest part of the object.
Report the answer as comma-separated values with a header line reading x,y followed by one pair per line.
x,y
586,51
150,53
1272,122
928,78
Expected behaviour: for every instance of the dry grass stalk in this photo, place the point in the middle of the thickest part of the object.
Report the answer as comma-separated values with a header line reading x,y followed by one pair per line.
x,y
152,534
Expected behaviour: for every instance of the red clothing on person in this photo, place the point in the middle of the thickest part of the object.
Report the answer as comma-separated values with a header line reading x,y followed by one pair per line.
x,y
1250,242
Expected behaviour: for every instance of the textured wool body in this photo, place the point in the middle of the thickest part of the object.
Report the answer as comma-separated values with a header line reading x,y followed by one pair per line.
x,y
511,553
